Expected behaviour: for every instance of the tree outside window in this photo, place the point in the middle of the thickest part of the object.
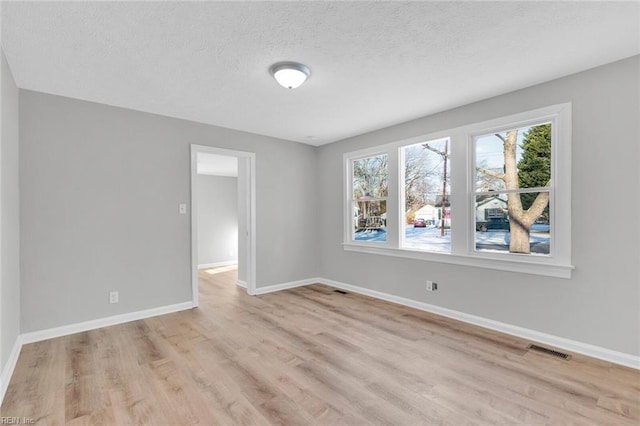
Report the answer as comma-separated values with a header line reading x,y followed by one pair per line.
x,y
514,167
370,190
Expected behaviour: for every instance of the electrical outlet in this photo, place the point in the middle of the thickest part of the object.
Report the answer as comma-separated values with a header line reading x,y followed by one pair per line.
x,y
113,297
432,286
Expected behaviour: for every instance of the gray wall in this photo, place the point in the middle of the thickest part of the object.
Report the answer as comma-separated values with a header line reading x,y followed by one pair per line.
x,y
600,304
9,217
100,188
217,219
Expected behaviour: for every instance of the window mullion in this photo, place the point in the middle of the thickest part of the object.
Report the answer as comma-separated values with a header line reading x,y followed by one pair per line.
x,y
459,198
393,199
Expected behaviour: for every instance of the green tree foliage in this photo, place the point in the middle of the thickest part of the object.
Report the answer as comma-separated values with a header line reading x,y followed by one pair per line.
x,y
534,168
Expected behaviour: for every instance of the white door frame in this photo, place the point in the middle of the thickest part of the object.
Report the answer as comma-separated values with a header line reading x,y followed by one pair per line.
x,y
249,177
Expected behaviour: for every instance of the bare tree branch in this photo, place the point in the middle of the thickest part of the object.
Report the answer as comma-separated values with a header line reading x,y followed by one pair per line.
x,y
500,137
437,151
537,207
490,173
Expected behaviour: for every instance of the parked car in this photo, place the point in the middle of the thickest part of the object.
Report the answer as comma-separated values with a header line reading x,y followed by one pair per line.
x,y
494,223
420,223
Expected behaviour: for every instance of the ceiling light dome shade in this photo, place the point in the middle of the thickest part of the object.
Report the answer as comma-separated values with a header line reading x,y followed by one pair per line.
x,y
290,74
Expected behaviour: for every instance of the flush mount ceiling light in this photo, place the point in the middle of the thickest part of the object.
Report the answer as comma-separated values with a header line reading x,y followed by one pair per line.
x,y
290,74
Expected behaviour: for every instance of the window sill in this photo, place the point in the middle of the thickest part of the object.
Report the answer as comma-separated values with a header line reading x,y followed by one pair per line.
x,y
488,262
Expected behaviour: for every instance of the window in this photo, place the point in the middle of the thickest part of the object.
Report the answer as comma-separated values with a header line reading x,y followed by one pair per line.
x,y
495,194
512,190
369,198
427,186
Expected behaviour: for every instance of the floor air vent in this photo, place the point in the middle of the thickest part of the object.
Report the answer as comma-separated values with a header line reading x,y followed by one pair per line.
x,y
548,351
340,291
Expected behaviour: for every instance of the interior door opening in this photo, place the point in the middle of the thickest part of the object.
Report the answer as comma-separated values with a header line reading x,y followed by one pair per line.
x,y
222,213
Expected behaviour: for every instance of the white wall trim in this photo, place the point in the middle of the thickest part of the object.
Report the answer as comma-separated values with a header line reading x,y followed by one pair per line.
x,y
36,336
9,367
593,351
241,283
285,286
217,264
487,261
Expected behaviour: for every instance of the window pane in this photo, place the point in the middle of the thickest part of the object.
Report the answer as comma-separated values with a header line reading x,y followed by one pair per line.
x,y
522,229
427,182
370,177
519,158
370,220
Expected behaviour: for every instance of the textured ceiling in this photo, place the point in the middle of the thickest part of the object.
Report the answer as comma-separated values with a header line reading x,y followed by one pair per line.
x,y
373,64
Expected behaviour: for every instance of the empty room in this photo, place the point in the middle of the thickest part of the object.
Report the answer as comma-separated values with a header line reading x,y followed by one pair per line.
x,y
320,213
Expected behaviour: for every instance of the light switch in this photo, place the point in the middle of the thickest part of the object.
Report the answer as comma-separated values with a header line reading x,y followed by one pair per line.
x,y
182,208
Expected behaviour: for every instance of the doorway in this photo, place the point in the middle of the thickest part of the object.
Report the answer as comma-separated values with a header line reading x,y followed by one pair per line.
x,y
222,161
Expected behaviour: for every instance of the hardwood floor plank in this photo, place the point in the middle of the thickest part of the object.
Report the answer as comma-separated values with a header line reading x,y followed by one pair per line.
x,y
309,356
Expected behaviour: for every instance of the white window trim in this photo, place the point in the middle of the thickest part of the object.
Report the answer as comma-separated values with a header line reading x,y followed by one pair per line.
x,y
557,264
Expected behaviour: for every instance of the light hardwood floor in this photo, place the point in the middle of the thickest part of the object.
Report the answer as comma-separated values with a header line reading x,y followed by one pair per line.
x,y
309,356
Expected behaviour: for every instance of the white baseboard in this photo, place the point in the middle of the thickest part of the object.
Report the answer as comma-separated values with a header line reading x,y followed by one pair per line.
x,y
217,264
593,351
9,367
285,286
36,336
241,283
